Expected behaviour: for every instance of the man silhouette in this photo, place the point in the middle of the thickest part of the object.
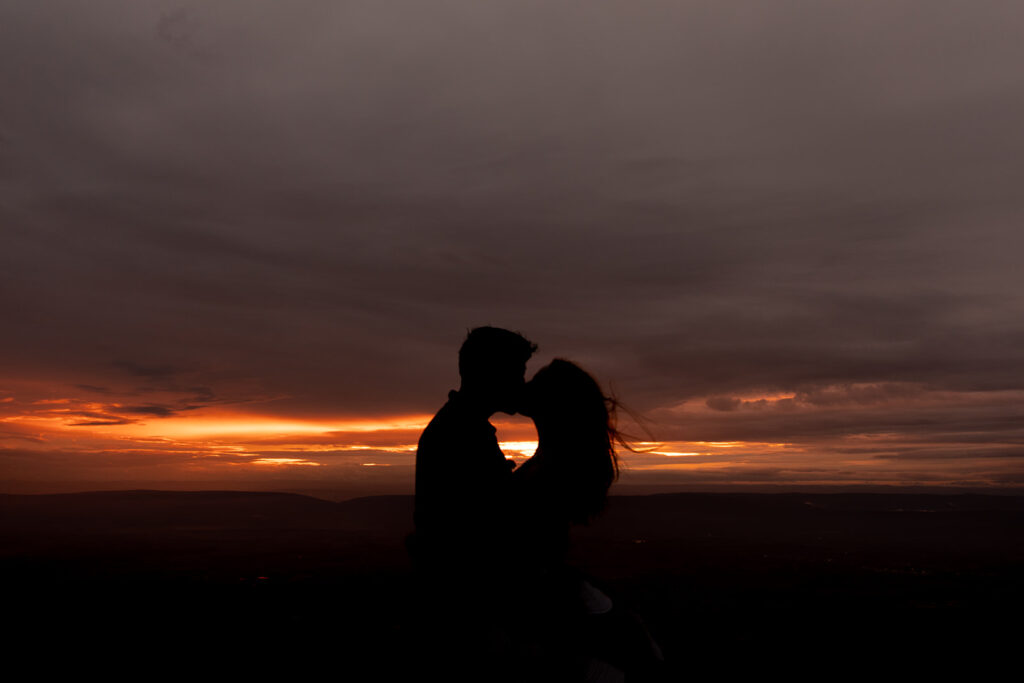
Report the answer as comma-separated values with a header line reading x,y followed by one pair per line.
x,y
461,474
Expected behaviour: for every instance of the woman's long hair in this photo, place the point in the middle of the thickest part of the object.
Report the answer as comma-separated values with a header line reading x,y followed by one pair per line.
x,y
577,436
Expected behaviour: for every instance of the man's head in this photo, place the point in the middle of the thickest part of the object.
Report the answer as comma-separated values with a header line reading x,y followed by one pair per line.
x,y
492,364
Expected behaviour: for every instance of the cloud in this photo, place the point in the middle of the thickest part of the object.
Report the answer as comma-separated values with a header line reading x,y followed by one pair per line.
x,y
101,422
910,414
953,454
147,371
94,389
826,396
723,403
155,410
306,206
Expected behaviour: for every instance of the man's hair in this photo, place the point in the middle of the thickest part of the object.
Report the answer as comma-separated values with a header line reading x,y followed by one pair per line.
x,y
489,346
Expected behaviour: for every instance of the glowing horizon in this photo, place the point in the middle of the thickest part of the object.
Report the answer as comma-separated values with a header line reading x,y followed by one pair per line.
x,y
51,437
740,272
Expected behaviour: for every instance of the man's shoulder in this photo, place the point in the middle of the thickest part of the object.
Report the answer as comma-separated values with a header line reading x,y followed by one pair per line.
x,y
456,414
445,419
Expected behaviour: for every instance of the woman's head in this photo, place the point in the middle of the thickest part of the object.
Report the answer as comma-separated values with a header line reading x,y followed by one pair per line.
x,y
576,431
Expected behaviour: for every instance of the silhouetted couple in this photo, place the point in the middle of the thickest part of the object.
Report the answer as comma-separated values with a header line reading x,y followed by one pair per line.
x,y
490,540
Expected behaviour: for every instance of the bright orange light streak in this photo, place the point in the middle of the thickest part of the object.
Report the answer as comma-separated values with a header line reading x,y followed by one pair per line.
x,y
686,466
257,426
522,448
282,461
765,397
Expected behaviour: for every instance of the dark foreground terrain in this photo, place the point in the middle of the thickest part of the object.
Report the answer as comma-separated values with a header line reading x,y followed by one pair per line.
x,y
286,586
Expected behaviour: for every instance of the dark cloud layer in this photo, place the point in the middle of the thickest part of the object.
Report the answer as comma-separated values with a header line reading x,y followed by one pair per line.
x,y
306,205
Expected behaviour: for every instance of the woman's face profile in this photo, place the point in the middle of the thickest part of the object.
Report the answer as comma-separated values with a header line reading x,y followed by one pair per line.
x,y
537,396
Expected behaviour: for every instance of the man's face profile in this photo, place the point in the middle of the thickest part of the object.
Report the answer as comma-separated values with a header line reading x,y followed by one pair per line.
x,y
508,383
492,367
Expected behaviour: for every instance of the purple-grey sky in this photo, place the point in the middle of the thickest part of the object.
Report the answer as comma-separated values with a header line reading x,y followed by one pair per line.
x,y
784,222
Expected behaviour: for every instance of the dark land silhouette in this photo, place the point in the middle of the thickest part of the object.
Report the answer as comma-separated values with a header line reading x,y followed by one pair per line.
x,y
728,583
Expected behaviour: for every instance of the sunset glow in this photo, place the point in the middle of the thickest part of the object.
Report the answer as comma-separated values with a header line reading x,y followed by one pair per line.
x,y
213,442
518,449
280,462
252,427
241,242
84,434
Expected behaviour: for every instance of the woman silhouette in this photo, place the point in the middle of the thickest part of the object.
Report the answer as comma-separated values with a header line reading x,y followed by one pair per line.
x,y
571,622
566,481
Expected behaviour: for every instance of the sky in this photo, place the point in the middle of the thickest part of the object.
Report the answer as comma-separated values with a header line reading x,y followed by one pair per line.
x,y
242,240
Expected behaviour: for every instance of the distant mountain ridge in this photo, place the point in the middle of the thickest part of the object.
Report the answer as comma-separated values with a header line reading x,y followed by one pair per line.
x,y
196,509
158,509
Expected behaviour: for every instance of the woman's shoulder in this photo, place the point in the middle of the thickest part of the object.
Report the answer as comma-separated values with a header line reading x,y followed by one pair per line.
x,y
540,487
